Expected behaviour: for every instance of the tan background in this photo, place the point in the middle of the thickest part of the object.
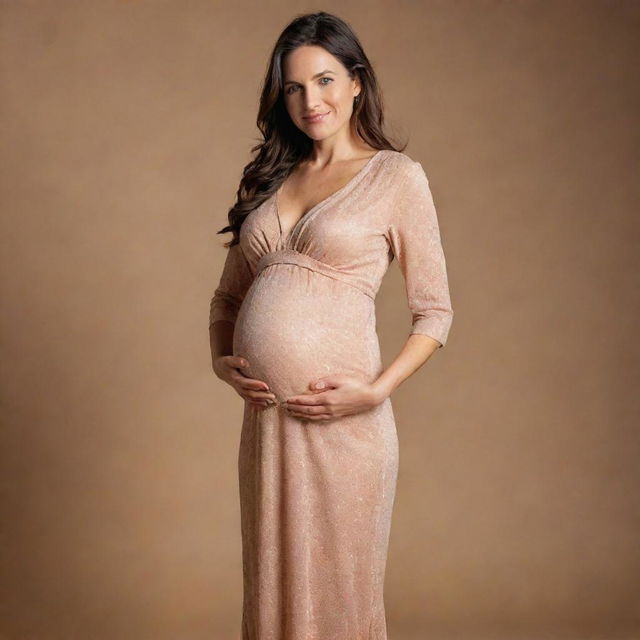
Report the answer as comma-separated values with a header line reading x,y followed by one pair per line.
x,y
125,126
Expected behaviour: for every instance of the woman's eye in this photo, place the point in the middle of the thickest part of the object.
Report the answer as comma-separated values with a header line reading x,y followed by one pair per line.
x,y
292,87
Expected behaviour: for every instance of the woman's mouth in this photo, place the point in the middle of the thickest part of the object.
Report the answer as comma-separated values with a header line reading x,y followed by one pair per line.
x,y
317,118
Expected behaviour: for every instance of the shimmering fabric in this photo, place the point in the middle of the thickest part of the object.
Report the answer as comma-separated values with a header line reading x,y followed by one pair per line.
x,y
316,497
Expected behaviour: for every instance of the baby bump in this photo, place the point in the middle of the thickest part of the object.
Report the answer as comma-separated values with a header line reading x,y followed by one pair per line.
x,y
296,325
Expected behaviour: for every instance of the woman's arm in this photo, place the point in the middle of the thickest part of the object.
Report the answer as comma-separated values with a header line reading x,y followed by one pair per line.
x,y
416,351
221,338
414,236
235,281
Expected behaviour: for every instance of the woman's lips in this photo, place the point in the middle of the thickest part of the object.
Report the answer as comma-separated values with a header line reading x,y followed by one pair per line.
x,y
318,118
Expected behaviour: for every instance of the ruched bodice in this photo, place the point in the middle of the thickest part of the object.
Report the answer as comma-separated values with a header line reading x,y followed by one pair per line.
x,y
291,256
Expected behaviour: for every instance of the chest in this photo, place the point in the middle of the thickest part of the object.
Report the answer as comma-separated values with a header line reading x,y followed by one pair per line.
x,y
304,191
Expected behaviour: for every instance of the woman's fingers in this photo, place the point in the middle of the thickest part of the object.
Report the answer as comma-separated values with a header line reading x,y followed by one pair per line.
x,y
310,412
254,390
260,395
249,383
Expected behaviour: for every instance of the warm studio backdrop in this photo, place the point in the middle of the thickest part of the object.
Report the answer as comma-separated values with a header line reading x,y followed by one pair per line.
x,y
125,126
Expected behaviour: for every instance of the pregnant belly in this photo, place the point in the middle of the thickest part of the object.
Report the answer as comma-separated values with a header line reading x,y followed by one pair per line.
x,y
296,325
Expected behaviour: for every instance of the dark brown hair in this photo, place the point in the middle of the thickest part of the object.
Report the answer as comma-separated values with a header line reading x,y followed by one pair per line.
x,y
284,145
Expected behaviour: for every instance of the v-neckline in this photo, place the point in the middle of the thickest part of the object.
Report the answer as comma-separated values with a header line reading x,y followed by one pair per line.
x,y
324,201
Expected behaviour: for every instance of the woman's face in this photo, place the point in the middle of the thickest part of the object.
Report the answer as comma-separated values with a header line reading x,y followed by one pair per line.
x,y
317,83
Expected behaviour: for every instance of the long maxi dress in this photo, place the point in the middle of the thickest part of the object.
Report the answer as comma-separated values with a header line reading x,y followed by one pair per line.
x,y
316,498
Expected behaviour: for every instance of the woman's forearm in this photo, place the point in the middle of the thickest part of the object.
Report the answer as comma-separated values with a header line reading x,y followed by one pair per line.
x,y
416,351
221,338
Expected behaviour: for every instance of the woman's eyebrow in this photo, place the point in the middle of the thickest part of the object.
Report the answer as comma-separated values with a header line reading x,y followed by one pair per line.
x,y
317,75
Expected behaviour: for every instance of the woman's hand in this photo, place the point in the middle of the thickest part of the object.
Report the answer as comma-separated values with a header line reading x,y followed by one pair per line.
x,y
256,392
339,395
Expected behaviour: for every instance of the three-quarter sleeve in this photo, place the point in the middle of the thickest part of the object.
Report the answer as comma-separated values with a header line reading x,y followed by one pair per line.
x,y
414,236
234,283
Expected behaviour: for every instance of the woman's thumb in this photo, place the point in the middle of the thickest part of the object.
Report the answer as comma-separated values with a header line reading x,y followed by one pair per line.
x,y
240,362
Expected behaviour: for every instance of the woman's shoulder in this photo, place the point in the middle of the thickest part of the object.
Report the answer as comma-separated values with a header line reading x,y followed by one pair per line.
x,y
401,162
402,169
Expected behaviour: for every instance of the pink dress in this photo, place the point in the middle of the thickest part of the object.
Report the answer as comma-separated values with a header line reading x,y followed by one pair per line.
x,y
316,498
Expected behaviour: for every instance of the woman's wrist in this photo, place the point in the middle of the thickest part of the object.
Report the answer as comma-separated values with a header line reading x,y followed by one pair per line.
x,y
380,390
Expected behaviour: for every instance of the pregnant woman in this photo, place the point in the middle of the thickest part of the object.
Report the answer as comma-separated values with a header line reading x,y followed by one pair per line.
x,y
322,210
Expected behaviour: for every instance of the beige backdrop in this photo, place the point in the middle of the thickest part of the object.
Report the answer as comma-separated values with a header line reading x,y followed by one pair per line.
x,y
125,127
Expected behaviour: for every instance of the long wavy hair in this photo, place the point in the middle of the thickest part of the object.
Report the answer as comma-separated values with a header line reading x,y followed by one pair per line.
x,y
284,145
